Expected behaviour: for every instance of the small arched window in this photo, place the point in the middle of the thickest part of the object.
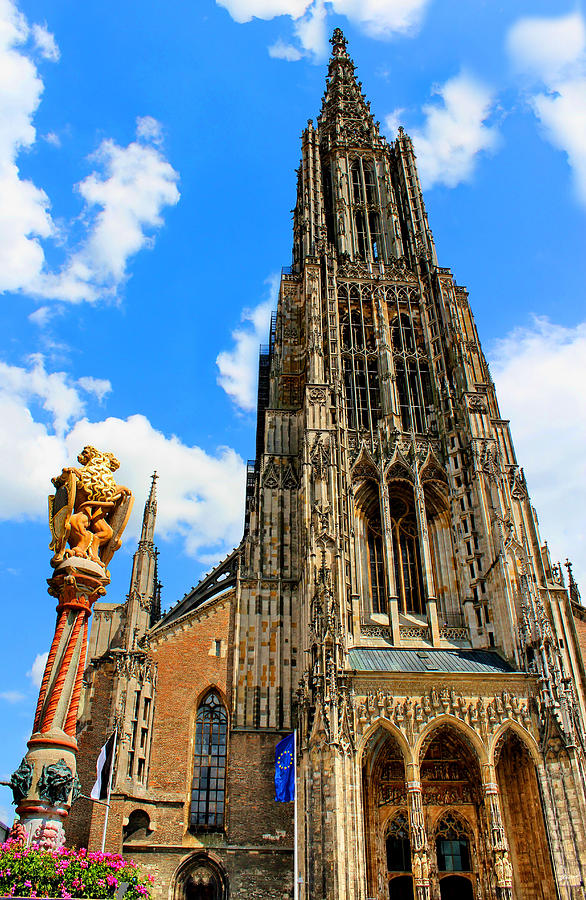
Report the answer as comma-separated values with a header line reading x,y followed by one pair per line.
x,y
138,827
209,765
453,845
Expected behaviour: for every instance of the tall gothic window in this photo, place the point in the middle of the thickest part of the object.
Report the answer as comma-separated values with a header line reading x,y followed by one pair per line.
x,y
369,536
209,766
407,559
359,356
328,203
399,845
412,374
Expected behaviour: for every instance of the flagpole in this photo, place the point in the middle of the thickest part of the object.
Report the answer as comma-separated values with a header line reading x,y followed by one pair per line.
x,y
295,860
109,788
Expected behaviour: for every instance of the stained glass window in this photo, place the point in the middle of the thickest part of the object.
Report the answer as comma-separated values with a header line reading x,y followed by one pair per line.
x,y
209,766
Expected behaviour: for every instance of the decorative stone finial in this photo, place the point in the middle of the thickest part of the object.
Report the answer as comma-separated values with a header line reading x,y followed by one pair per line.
x,y
338,41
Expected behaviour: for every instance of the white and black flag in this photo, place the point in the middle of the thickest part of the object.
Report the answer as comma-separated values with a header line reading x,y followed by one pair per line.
x,y
104,769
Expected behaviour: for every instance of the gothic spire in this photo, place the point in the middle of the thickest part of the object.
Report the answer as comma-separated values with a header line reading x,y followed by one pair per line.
x,y
150,513
345,114
144,602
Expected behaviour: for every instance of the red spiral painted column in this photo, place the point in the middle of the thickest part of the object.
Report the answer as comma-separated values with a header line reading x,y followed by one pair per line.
x,y
47,778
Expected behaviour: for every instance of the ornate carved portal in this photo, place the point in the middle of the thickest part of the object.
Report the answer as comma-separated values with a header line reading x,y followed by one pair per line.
x,y
201,877
426,826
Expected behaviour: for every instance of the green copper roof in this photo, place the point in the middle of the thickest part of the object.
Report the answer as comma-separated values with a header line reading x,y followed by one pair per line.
x,y
388,659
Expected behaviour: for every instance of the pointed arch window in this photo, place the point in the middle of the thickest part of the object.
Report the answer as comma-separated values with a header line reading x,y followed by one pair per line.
x,y
328,203
452,845
398,845
208,791
406,555
369,536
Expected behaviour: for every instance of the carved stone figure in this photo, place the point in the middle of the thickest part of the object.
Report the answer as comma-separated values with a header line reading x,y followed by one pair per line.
x,y
21,780
56,783
88,511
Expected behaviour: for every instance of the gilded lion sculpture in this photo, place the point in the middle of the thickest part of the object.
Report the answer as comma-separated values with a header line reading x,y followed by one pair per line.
x,y
88,511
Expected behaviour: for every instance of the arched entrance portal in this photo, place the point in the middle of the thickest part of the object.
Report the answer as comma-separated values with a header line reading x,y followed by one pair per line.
x,y
456,887
202,884
523,821
388,845
201,877
453,806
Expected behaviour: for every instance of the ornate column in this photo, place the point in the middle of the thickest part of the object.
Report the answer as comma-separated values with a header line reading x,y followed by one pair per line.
x,y
419,857
502,865
89,512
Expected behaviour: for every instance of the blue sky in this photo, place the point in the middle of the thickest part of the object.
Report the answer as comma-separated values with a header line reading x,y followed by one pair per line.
x,y
147,156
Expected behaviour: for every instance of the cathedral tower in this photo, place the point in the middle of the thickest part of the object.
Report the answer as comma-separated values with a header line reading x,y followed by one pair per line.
x,y
391,598
395,600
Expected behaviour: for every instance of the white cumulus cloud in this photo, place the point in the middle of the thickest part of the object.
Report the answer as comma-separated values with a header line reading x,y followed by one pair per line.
x,y
37,669
311,31
382,18
99,387
377,18
239,367
245,10
281,50
551,53
123,197
45,426
45,42
540,376
454,132
24,211
126,196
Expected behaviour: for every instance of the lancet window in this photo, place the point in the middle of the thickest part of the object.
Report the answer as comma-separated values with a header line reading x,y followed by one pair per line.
x,y
328,203
412,374
370,547
406,554
209,765
359,356
398,845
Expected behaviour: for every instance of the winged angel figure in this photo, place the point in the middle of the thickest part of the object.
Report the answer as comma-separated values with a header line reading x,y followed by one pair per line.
x,y
88,510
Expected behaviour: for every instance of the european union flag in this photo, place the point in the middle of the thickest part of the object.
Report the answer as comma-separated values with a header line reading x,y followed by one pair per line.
x,y
285,769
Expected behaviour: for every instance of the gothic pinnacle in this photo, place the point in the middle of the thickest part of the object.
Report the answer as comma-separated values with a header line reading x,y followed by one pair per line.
x,y
339,43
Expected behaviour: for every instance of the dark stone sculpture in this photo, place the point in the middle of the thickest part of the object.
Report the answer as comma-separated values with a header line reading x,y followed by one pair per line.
x,y
21,781
55,783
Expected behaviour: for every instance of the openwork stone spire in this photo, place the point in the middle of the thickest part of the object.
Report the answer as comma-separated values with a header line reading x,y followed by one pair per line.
x,y
345,115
